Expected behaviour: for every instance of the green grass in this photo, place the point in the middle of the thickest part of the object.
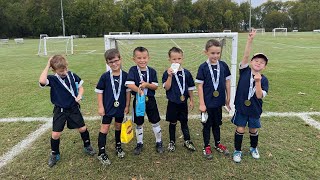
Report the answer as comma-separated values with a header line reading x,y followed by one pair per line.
x,y
289,148
317,118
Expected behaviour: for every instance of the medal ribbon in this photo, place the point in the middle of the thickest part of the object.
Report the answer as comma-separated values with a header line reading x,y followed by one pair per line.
x,y
252,89
183,81
115,94
215,82
65,85
145,90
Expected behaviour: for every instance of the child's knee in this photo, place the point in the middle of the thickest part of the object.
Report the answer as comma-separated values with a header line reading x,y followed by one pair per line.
x,y
104,128
117,126
82,129
55,135
240,129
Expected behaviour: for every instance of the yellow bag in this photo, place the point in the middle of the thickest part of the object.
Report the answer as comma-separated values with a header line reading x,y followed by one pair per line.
x,y
126,131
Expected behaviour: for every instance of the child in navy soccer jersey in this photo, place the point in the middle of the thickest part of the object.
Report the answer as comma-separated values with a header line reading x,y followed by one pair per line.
x,y
143,79
179,86
252,88
113,102
213,80
66,93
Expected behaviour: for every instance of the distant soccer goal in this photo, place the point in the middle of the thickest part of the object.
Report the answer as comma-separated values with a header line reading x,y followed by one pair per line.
x,y
193,45
316,30
295,30
119,33
261,30
4,41
18,40
280,31
226,31
133,33
55,45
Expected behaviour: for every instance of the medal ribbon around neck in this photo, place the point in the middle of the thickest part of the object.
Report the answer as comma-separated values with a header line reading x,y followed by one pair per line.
x,y
115,94
252,89
145,90
182,89
65,85
215,82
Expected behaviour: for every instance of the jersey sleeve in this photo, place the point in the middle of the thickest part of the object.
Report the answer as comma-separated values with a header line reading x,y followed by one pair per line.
x,y
164,78
77,79
130,77
190,82
154,79
101,84
200,75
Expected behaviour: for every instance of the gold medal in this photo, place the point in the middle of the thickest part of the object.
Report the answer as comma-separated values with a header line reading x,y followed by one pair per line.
x,y
147,99
182,98
116,104
247,102
215,93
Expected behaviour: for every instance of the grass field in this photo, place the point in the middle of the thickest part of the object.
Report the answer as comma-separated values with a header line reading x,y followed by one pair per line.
x,y
288,145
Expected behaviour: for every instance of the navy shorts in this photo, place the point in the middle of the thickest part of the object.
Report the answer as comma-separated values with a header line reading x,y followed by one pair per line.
x,y
177,112
72,116
214,117
108,120
241,120
151,111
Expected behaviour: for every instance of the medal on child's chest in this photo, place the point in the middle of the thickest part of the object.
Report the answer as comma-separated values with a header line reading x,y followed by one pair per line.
x,y
116,95
252,90
145,90
215,81
183,86
247,103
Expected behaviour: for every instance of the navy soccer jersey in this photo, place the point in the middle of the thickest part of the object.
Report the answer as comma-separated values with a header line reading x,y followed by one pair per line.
x,y
204,77
255,109
104,87
173,94
134,78
61,95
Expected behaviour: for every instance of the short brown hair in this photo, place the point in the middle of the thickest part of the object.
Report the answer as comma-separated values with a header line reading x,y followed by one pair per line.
x,y
176,50
111,53
58,62
212,42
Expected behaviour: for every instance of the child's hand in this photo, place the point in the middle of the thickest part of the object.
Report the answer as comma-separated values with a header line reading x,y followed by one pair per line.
x,y
170,71
78,98
257,77
143,85
101,111
126,110
252,34
227,106
191,105
202,108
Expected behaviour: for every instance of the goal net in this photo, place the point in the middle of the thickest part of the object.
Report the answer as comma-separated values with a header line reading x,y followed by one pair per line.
x,y
261,30
280,31
55,45
192,44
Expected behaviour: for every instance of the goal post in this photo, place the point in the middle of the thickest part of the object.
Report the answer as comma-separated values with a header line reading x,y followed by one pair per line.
x,y
261,30
283,31
193,45
55,45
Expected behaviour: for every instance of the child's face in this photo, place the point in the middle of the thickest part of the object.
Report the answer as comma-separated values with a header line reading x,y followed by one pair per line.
x,y
213,53
141,59
115,64
176,57
258,64
62,72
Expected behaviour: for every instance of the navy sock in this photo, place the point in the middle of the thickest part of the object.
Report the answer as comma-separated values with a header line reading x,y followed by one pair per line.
x,y
185,131
238,140
172,132
117,137
102,138
206,134
85,138
254,139
55,146
216,135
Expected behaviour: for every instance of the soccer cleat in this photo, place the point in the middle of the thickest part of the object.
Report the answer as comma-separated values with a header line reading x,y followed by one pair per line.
x,y
237,156
159,147
89,150
222,149
54,158
138,149
104,159
171,146
120,152
189,145
207,152
254,153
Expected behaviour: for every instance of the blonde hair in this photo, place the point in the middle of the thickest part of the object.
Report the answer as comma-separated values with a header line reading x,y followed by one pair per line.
x,y
58,62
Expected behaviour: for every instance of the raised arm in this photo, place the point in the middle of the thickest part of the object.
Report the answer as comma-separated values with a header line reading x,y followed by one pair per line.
x,y
44,74
248,47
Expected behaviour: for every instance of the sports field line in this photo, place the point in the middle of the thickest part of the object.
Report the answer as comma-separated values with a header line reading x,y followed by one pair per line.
x,y
24,144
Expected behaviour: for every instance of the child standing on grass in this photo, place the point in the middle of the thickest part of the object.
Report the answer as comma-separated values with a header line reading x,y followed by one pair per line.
x,y
252,87
213,80
113,102
179,86
66,93
143,79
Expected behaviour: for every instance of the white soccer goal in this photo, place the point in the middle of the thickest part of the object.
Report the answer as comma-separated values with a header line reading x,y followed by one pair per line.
x,y
19,40
4,41
55,45
316,30
280,31
295,30
158,45
261,30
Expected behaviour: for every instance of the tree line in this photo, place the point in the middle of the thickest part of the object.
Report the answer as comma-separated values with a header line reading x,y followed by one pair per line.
x,y
29,18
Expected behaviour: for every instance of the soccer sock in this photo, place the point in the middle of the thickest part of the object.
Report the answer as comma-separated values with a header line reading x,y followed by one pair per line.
x,y
102,140
206,134
185,131
157,131
117,137
216,135
238,140
85,138
254,139
55,146
172,132
139,134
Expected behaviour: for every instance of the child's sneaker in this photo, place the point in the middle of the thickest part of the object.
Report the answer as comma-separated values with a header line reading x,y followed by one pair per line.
x,y
171,146
237,156
207,152
254,153
54,158
189,145
120,152
159,147
222,149
104,159
138,149
89,150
